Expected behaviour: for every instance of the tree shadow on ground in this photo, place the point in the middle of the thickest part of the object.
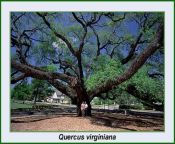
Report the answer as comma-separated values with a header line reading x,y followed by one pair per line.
x,y
35,118
34,115
125,121
113,120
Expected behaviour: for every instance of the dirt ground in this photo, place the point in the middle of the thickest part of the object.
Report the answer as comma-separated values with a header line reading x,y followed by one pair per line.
x,y
98,122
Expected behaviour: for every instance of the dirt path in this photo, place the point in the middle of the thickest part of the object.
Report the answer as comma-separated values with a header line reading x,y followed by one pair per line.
x,y
61,124
98,122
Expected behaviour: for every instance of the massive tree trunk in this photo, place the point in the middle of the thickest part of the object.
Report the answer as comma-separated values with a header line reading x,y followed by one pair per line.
x,y
79,113
87,100
79,102
82,96
89,108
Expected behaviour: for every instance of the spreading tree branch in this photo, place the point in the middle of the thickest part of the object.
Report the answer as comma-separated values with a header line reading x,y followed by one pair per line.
x,y
34,72
133,68
56,33
138,40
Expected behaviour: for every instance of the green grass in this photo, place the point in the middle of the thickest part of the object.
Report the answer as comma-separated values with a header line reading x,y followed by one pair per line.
x,y
19,104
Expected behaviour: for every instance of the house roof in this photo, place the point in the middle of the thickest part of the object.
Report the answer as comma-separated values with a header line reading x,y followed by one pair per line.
x,y
57,95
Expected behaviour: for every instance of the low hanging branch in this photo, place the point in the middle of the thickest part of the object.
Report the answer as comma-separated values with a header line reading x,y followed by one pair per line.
x,y
39,74
146,98
18,78
53,78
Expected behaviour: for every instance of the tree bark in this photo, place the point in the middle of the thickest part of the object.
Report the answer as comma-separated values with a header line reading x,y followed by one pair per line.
x,y
82,96
79,102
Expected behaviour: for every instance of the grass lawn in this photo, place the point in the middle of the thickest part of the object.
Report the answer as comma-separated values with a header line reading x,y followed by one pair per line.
x,y
19,104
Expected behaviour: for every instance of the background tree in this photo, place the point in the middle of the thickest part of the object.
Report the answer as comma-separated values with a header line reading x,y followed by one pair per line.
x,y
86,54
40,90
21,91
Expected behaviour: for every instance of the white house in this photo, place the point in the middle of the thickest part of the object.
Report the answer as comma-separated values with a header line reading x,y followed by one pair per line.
x,y
57,97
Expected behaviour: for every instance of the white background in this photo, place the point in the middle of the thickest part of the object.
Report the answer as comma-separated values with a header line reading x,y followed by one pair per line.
x,y
7,7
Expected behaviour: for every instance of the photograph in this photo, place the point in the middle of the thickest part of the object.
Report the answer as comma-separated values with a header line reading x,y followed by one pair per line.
x,y
87,71
80,71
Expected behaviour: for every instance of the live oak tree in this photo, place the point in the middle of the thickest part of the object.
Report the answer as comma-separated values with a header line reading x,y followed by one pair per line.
x,y
86,54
